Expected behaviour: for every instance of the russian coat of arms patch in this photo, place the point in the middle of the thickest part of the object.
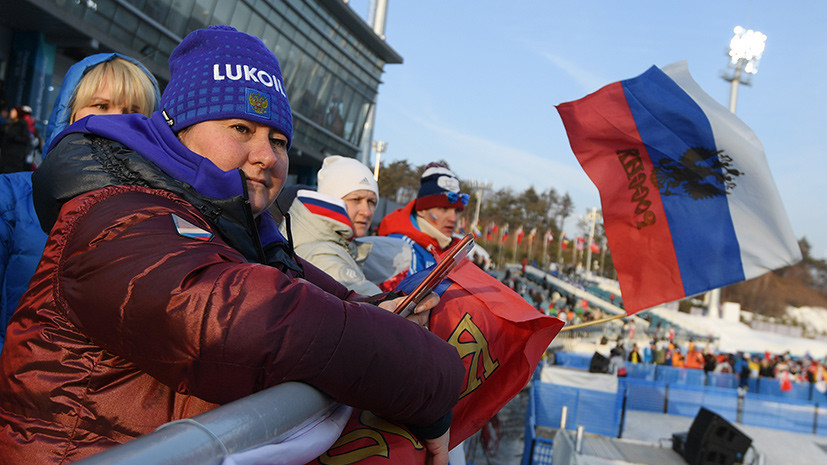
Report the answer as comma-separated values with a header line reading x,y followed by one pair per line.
x,y
258,103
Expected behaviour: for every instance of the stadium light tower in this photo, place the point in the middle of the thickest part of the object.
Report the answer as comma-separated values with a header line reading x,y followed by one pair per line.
x,y
479,188
379,147
745,50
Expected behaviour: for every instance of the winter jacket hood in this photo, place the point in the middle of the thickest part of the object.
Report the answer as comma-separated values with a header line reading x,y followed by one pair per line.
x,y
62,109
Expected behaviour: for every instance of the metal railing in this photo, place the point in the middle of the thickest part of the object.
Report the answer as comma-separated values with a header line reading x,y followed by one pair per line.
x,y
258,419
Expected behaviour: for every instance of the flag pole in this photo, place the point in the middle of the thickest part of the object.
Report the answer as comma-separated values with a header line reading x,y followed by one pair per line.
x,y
595,322
500,254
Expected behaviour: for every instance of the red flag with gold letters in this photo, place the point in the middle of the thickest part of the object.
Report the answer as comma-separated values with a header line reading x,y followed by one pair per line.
x,y
500,338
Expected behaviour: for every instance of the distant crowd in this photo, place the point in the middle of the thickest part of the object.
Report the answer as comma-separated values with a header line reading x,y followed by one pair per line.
x,y
797,369
565,306
664,346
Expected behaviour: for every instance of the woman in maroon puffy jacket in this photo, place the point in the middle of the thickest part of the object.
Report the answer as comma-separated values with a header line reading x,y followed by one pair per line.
x,y
165,288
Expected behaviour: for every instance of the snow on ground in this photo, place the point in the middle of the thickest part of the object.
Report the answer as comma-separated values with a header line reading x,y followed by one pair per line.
x,y
814,318
736,336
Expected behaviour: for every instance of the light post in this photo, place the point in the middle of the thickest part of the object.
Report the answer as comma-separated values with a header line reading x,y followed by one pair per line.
x,y
745,50
379,147
479,189
592,216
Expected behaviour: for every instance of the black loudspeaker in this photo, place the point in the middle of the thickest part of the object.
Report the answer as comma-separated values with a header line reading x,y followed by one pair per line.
x,y
599,364
714,441
679,443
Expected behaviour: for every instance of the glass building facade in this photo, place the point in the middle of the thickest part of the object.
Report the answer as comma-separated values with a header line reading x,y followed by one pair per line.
x,y
331,60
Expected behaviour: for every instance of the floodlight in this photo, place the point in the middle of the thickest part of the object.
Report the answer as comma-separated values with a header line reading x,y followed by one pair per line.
x,y
745,49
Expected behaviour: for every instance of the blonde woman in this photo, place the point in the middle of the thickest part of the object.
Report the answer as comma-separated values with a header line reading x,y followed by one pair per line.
x,y
105,83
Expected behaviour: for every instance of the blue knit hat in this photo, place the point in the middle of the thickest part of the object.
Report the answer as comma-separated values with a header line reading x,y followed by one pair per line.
x,y
220,72
439,187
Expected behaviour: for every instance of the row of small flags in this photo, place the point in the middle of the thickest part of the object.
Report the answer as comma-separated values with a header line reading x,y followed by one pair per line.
x,y
492,231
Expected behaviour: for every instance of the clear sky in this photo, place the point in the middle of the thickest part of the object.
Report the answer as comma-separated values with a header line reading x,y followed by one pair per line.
x,y
480,80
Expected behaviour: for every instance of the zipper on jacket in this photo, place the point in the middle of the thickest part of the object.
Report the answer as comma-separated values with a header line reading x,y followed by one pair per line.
x,y
251,220
289,229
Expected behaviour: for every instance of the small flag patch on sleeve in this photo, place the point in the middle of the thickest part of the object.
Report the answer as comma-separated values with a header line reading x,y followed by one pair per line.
x,y
187,229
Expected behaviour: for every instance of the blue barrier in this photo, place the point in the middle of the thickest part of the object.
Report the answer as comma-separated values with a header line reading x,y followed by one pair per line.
x,y
819,397
598,412
771,412
602,412
641,371
772,387
648,396
673,375
687,399
722,380
821,420
530,437
549,402
573,360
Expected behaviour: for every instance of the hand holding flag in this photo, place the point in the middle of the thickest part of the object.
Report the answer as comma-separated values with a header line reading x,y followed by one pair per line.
x,y
500,338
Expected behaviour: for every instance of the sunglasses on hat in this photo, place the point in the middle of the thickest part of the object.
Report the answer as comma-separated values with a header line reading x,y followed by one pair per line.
x,y
453,196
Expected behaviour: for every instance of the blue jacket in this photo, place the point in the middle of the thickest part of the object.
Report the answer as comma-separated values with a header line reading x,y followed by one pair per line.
x,y
21,238
21,242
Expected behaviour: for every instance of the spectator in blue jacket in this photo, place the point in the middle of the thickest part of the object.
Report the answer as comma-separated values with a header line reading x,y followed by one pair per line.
x,y
105,83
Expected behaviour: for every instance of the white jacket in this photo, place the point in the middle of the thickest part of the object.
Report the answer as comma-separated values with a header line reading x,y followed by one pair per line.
x,y
325,241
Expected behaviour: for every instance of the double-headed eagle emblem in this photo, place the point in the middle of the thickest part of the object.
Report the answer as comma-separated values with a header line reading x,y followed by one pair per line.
x,y
699,173
258,102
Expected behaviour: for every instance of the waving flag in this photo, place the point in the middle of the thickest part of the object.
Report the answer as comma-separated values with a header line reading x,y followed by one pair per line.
x,y
500,338
476,231
520,234
688,201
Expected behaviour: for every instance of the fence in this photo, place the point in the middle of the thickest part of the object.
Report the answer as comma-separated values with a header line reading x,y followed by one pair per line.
x,y
598,412
208,438
603,413
673,375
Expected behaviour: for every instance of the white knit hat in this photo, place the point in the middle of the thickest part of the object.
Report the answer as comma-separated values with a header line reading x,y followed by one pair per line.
x,y
340,176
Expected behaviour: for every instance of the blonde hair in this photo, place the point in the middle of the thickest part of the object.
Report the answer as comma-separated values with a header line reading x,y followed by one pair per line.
x,y
129,84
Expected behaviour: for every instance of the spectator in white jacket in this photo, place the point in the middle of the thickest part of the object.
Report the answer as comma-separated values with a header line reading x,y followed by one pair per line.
x,y
326,223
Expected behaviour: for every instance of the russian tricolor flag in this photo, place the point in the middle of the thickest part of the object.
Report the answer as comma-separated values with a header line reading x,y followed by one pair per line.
x,y
689,203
